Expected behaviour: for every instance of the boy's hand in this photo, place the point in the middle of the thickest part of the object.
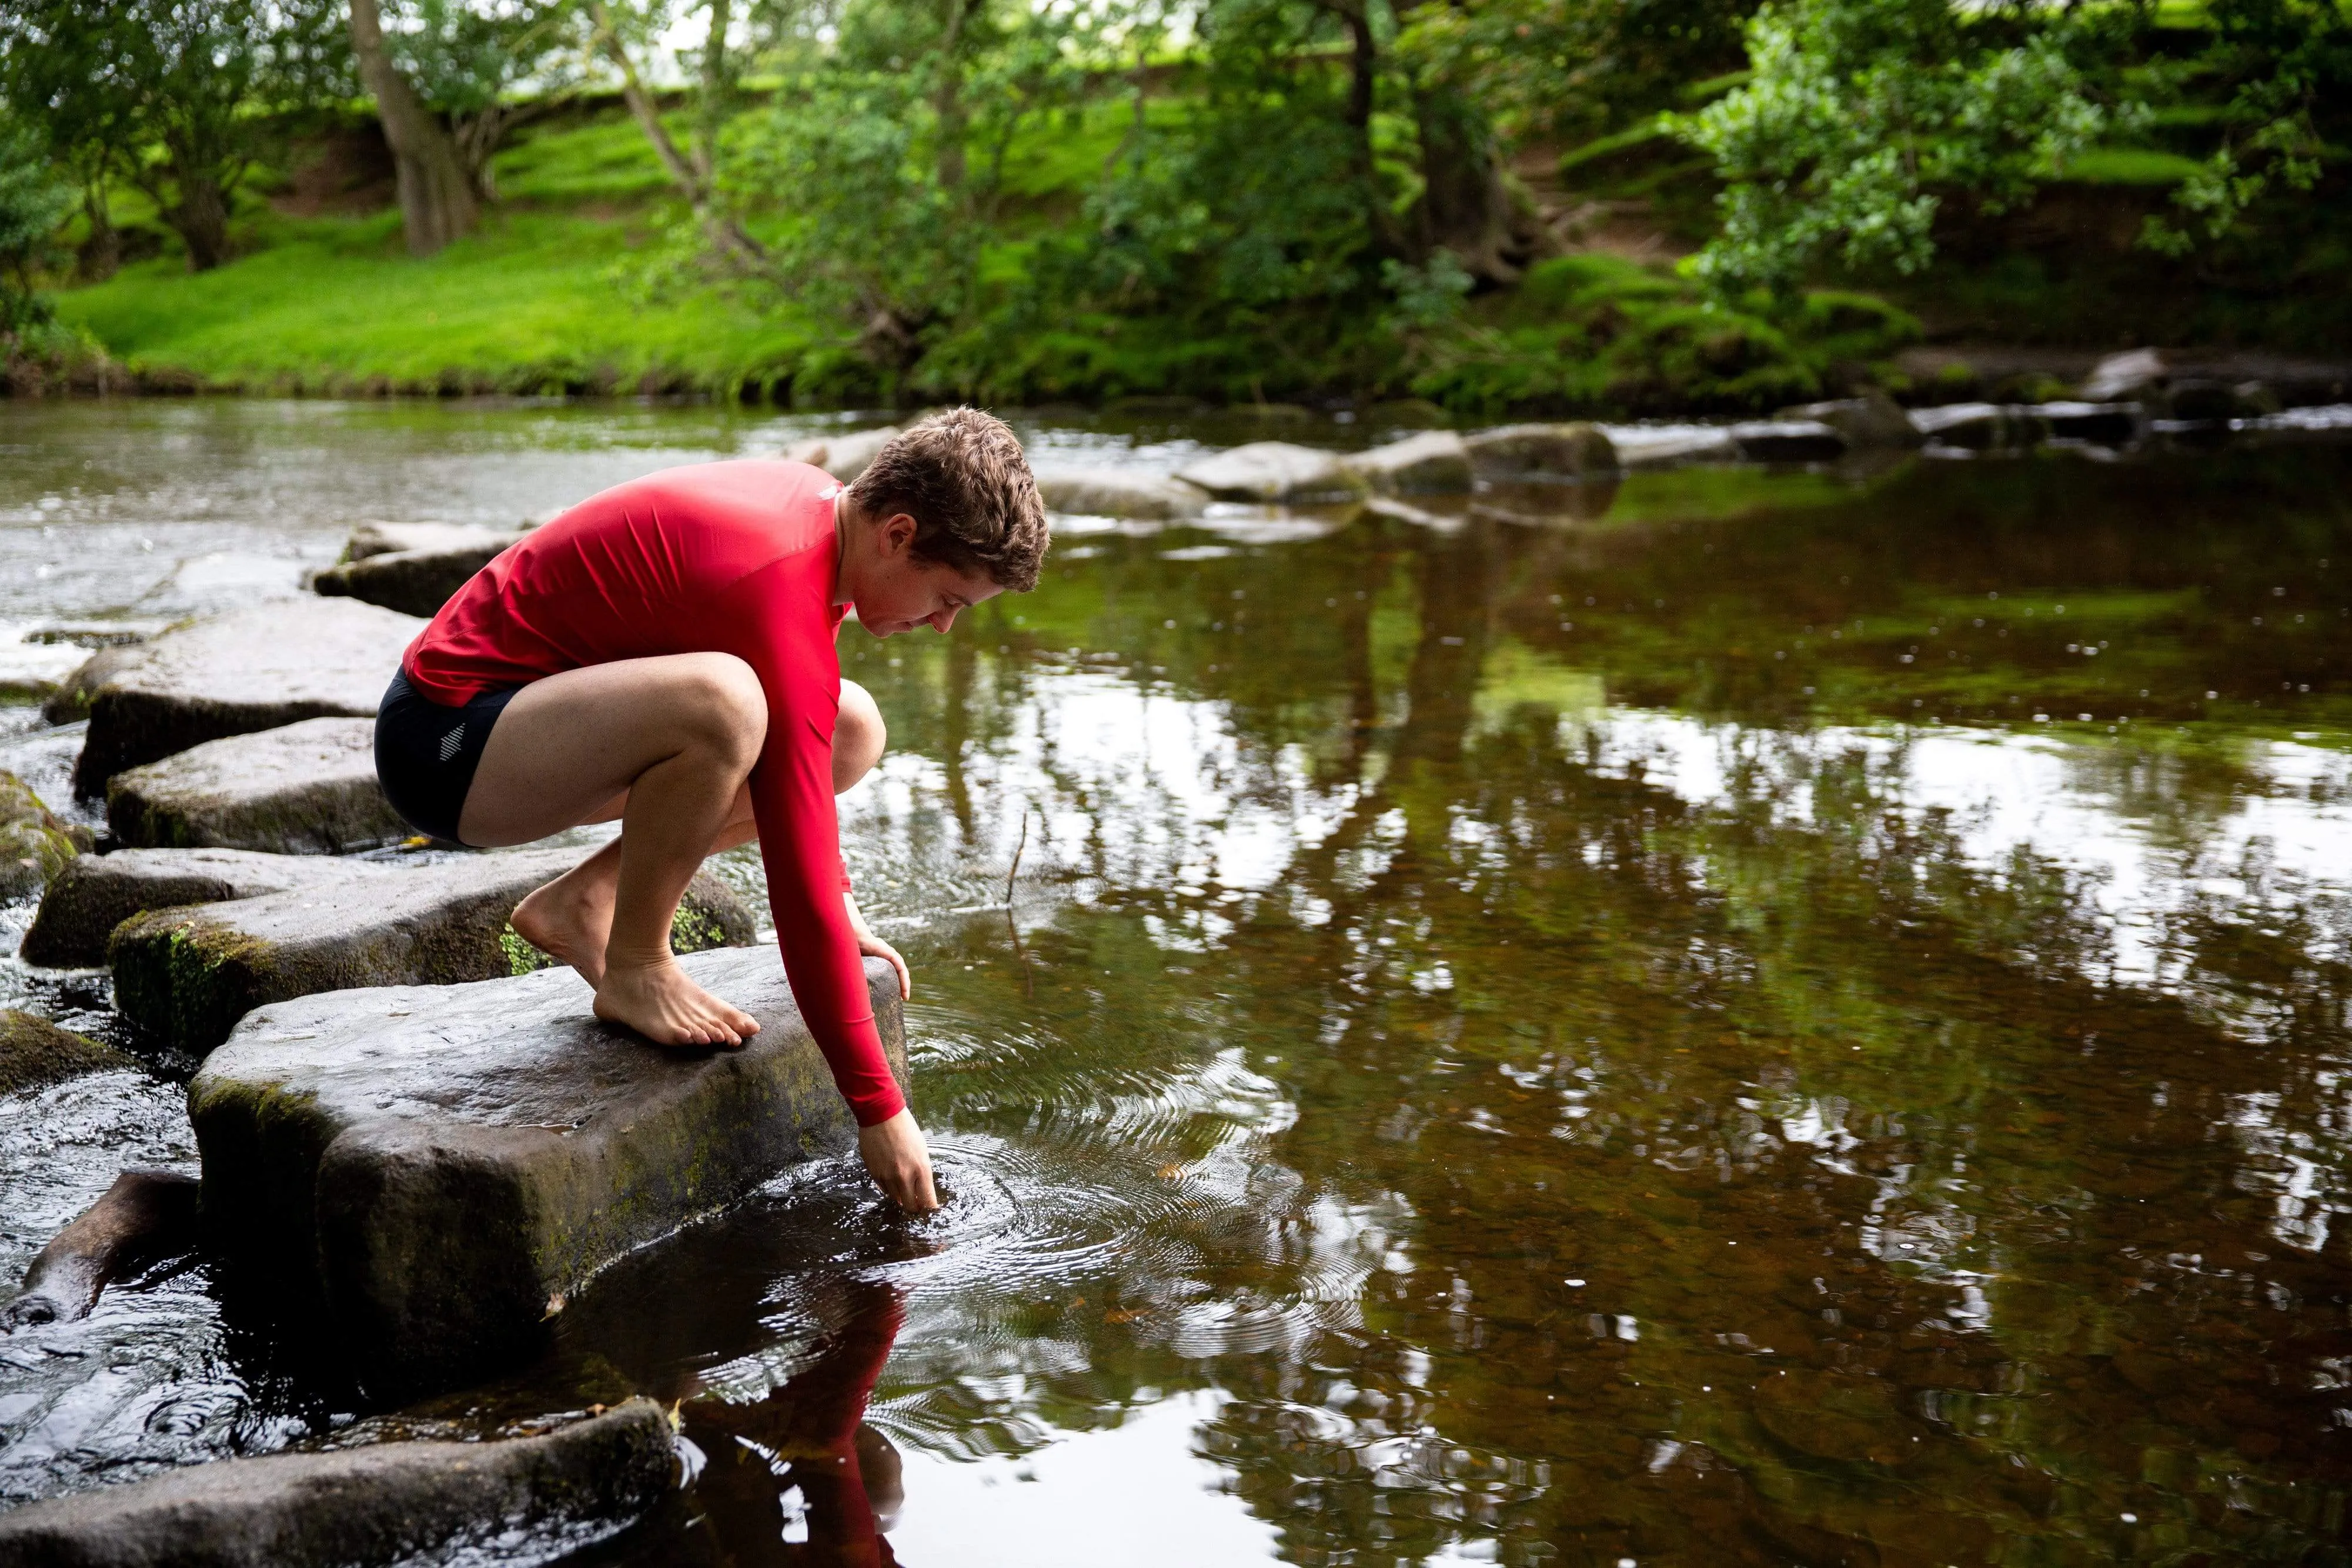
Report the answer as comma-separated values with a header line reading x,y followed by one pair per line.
x,y
873,946
899,1160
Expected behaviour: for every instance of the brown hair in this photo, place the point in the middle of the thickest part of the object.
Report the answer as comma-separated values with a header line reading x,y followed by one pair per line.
x,y
960,476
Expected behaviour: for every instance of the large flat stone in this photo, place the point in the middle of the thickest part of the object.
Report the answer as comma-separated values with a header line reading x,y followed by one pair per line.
x,y
445,1167
1275,471
273,664
304,788
378,1505
398,538
1540,452
95,893
1434,462
412,582
35,1053
185,976
1118,493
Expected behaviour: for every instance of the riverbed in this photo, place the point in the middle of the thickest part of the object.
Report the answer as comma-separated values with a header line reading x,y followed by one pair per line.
x,y
1737,1015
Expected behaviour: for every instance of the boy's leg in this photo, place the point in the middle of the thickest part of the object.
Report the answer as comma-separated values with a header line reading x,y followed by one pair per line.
x,y
571,917
677,735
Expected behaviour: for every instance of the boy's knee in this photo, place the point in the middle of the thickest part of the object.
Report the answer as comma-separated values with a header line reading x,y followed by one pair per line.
x,y
724,700
859,736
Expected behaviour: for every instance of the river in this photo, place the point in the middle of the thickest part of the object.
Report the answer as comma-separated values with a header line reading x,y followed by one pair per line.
x,y
1741,1017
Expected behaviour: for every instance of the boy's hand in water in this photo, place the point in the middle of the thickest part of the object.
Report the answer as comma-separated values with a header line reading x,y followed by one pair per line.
x,y
901,1162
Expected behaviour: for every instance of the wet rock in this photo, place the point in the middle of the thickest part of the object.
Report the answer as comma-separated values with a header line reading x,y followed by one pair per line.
x,y
845,457
1872,421
70,700
371,540
1118,493
1434,462
95,893
1787,440
1270,471
144,1218
31,669
1827,1416
445,1167
415,582
1523,452
34,844
35,1053
304,788
186,974
383,1504
2136,376
273,664
1663,446
2100,423
1983,426
95,635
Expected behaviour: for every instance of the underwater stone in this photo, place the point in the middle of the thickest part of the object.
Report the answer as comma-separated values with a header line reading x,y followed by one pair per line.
x,y
1434,462
1268,471
376,1505
1542,452
274,664
95,893
445,1167
304,788
35,845
1118,493
35,1053
187,974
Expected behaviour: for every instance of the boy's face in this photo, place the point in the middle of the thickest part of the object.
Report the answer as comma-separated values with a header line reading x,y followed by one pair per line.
x,y
897,590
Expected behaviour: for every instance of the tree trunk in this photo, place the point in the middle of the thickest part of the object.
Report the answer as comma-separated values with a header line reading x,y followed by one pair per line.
x,y
728,236
436,194
946,99
200,218
1465,207
101,255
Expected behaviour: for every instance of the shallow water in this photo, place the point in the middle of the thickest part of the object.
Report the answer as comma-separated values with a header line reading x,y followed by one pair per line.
x,y
1763,1017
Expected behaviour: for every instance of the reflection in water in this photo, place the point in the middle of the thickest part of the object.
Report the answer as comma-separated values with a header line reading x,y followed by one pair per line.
x,y
1788,1022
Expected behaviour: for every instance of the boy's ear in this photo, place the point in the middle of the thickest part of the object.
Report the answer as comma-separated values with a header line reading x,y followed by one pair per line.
x,y
898,532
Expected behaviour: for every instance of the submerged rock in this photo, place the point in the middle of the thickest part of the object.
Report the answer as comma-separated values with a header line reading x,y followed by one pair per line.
x,y
1787,440
304,788
95,893
1267,471
35,845
144,1218
1871,421
1434,462
186,974
845,457
35,1053
1537,451
273,664
445,1167
1118,493
359,1507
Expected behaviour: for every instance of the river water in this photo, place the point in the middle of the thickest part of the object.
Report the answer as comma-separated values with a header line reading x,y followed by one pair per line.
x,y
1741,1017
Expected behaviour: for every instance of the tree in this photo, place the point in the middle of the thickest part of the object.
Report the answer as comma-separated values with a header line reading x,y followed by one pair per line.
x,y
438,202
33,202
619,34
466,58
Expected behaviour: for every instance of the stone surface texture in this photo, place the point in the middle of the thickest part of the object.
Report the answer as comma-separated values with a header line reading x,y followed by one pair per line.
x,y
1117,493
71,700
415,582
36,844
35,1053
273,664
1542,452
1434,462
303,789
445,1167
387,1503
1869,421
1667,444
185,976
1268,471
1983,426
95,893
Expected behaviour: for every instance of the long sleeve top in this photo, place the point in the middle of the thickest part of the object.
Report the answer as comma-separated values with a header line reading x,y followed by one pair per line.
x,y
731,558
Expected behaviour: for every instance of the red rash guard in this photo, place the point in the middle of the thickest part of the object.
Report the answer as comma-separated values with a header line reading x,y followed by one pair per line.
x,y
719,557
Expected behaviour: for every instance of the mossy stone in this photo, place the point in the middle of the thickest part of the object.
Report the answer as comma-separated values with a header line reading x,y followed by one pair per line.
x,y
35,1053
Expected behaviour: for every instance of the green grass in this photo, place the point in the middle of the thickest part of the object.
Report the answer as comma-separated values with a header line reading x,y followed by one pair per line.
x,y
2130,166
535,301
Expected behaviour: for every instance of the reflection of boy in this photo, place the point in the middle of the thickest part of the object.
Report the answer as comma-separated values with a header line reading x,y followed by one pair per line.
x,y
810,1434
663,653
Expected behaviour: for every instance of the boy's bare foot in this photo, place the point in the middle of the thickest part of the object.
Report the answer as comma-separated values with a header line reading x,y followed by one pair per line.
x,y
570,919
659,1002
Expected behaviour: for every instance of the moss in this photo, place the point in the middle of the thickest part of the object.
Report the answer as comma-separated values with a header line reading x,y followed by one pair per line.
x,y
34,1054
521,957
692,929
177,975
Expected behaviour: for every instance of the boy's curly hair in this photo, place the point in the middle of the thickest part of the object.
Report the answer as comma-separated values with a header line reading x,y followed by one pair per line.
x,y
961,475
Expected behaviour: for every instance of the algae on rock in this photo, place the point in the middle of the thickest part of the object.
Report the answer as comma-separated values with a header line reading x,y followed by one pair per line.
x,y
35,845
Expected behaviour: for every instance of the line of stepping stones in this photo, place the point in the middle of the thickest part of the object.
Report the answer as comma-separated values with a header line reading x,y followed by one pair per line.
x,y
408,1121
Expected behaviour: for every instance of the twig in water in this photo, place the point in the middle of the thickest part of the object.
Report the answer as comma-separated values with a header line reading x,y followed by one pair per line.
x,y
1016,860
1028,980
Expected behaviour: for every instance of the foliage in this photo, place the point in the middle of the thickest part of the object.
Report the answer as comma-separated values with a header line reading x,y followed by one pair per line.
x,y
468,59
1860,119
32,204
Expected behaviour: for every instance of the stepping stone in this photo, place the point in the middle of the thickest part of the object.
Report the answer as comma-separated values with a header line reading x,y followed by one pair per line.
x,y
445,1167
1524,451
274,664
1983,426
414,568
1270,471
95,893
38,661
408,538
186,974
1080,492
1434,462
367,1507
1663,446
845,457
1787,440
1873,419
35,1053
34,844
304,788
2098,423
